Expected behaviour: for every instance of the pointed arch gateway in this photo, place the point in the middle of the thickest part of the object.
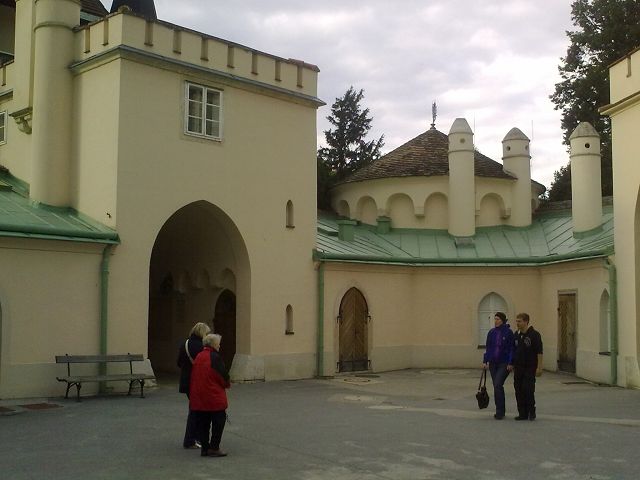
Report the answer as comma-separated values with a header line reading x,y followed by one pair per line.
x,y
353,335
198,272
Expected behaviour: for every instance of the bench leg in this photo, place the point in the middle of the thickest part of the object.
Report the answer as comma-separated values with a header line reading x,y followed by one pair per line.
x,y
142,388
130,386
69,385
78,387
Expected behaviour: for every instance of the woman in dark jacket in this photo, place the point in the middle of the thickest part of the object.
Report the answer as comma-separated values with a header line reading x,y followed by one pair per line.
x,y
187,354
208,400
497,357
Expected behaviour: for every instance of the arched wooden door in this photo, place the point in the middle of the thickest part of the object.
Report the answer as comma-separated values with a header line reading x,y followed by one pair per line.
x,y
353,332
224,323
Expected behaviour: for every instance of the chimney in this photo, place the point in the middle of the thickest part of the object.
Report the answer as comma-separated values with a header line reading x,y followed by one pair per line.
x,y
516,160
462,195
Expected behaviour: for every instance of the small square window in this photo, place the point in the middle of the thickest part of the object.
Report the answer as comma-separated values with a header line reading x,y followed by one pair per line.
x,y
203,111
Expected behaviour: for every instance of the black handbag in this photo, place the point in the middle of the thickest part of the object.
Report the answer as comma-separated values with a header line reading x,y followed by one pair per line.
x,y
482,396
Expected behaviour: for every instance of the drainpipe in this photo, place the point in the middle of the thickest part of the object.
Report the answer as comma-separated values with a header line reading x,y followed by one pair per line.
x,y
104,313
320,346
613,313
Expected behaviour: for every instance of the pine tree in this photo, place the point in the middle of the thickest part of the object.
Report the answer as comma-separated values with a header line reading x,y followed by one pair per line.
x,y
606,31
347,149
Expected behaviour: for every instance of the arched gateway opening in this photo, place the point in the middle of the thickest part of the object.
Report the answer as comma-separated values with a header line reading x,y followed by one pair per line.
x,y
353,332
199,272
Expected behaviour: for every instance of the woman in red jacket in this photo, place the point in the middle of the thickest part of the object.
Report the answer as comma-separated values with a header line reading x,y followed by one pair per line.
x,y
208,396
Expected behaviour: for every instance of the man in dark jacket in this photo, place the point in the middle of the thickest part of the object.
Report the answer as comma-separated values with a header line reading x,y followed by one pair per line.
x,y
497,357
527,365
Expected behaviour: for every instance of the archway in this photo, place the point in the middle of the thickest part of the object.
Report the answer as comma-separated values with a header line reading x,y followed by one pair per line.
x,y
198,263
353,332
224,323
487,309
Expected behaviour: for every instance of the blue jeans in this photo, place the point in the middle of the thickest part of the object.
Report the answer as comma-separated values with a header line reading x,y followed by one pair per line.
x,y
499,374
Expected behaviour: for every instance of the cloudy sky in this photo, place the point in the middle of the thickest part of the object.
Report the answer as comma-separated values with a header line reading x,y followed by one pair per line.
x,y
493,62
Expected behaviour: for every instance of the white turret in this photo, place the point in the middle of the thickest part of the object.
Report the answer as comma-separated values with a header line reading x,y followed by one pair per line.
x,y
52,100
462,210
516,160
586,188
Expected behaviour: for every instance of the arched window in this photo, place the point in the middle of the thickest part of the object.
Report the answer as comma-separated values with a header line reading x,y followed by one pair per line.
x,y
487,309
605,323
290,214
289,321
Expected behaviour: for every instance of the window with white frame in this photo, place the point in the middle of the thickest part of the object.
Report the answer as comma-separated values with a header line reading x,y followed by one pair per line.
x,y
203,111
3,127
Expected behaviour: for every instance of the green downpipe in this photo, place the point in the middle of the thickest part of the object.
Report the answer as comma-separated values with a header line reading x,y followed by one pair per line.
x,y
613,312
104,310
320,346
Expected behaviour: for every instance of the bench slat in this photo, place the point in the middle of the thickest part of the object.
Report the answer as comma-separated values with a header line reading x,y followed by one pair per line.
x,y
99,358
106,378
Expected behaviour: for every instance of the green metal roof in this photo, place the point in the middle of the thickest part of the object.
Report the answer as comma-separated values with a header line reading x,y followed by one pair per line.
x,y
20,217
549,239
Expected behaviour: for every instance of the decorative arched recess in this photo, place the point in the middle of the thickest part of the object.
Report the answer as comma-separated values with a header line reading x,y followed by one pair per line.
x,y
436,211
367,211
491,210
605,323
489,305
343,209
288,329
353,334
402,211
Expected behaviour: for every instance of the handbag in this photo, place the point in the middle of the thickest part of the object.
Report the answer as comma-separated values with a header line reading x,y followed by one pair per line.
x,y
482,396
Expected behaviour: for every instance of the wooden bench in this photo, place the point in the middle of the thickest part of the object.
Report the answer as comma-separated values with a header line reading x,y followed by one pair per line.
x,y
78,380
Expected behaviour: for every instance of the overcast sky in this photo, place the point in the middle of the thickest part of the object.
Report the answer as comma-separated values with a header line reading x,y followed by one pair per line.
x,y
494,62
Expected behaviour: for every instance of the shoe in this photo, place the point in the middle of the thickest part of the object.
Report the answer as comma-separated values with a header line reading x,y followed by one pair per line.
x,y
532,417
499,416
216,453
196,445
521,417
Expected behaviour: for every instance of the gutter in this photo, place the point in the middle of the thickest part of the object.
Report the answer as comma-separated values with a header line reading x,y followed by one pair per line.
x,y
320,337
613,314
104,310
459,262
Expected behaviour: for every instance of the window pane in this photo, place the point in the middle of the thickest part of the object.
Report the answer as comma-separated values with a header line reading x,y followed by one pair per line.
x,y
195,109
213,129
195,125
195,93
213,97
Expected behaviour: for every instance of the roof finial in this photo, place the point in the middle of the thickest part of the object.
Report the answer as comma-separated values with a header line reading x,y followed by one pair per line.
x,y
434,114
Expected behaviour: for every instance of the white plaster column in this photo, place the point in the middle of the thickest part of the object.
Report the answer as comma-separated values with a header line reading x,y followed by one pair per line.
x,y
462,209
586,188
52,100
516,160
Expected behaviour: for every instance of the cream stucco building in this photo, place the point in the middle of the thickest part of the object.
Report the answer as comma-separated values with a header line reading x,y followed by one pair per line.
x,y
153,176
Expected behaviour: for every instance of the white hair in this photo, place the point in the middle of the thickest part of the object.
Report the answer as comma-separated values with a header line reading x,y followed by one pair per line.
x,y
212,340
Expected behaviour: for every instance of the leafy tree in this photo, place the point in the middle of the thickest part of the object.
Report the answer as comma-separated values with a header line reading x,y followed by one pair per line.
x,y
347,149
606,31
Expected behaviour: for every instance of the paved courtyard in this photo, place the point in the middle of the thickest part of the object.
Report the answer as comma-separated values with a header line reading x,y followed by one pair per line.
x,y
410,424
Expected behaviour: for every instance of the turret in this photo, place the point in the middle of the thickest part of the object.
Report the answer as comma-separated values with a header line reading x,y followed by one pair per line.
x,y
142,7
516,160
462,210
586,188
52,100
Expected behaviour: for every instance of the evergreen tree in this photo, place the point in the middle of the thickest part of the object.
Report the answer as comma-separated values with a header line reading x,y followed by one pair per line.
x,y
347,149
606,31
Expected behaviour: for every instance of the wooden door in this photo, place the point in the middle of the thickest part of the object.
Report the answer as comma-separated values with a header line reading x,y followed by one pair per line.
x,y
224,323
567,341
353,334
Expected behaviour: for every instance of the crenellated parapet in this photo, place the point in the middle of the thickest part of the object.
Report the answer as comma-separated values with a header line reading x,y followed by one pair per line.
x,y
163,43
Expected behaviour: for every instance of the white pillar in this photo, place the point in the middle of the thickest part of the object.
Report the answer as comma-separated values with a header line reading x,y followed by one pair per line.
x,y
462,192
516,160
586,187
52,100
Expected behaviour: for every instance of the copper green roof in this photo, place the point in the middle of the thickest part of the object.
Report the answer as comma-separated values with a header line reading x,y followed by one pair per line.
x,y
548,239
20,217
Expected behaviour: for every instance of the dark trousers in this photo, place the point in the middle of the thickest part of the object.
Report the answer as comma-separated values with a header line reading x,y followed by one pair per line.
x,y
210,421
499,374
191,432
524,383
